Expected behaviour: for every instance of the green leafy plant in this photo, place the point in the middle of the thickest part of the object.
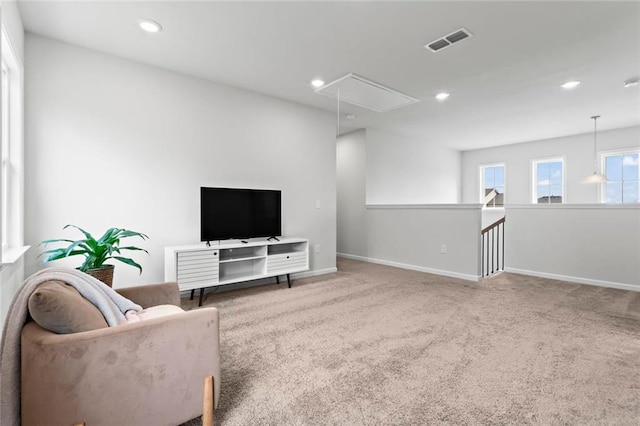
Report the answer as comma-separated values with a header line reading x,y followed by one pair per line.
x,y
95,251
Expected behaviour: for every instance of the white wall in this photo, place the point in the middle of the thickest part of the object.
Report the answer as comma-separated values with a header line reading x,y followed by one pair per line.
x,y
412,237
594,244
402,170
408,236
578,154
491,216
111,142
351,182
12,275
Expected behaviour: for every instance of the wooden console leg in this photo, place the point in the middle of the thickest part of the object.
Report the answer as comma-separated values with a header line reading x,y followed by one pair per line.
x,y
277,279
289,280
201,296
208,402
192,293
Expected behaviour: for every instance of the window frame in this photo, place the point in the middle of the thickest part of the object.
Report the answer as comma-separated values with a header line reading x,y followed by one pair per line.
x,y
12,150
534,178
5,156
481,169
603,167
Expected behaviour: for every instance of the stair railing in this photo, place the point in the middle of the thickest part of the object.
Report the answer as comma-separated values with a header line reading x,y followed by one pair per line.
x,y
493,248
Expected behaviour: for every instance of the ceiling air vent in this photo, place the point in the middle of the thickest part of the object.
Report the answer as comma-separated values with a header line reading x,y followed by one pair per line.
x,y
448,40
440,44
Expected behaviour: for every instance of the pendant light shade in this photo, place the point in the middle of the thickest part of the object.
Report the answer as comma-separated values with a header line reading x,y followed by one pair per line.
x,y
595,177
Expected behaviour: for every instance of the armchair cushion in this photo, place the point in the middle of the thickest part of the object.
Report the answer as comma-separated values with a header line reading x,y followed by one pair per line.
x,y
153,312
58,307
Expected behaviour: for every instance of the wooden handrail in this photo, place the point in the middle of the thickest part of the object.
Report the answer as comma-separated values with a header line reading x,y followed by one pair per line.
x,y
493,225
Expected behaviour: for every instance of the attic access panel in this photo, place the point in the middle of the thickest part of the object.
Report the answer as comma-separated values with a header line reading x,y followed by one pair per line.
x,y
364,93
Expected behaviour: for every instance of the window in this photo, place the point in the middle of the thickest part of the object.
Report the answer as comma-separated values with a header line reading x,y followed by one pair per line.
x,y
492,188
548,181
623,177
11,153
4,174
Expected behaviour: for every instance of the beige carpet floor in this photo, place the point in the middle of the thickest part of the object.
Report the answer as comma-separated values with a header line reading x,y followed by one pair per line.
x,y
375,345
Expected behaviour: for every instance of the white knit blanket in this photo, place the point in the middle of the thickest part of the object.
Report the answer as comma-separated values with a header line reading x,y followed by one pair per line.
x,y
112,305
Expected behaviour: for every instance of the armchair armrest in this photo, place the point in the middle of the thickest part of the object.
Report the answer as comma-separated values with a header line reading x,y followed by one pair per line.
x,y
148,372
153,294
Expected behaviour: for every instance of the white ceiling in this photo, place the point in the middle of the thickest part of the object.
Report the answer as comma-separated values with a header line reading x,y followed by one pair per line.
x,y
504,81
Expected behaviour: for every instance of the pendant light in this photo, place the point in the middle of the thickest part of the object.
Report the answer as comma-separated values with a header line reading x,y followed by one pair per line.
x,y
595,177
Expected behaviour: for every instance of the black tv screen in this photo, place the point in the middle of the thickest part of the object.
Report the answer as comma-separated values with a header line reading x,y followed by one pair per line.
x,y
239,213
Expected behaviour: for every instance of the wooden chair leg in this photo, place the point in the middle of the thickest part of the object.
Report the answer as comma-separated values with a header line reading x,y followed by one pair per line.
x,y
208,403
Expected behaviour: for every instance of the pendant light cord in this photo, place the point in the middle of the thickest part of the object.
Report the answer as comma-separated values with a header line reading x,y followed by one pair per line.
x,y
338,113
595,160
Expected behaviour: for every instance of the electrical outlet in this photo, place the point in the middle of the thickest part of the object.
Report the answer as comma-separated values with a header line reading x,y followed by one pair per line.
x,y
317,204
443,249
317,248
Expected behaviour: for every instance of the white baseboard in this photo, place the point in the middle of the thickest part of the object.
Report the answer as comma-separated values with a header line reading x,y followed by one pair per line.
x,y
571,279
412,267
315,273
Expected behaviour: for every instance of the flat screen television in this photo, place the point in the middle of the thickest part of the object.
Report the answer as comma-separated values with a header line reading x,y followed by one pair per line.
x,y
239,213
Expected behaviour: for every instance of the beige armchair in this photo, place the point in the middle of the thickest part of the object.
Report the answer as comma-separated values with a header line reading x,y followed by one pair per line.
x,y
144,373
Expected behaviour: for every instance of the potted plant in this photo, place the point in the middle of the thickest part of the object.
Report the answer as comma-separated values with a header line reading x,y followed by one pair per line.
x,y
95,251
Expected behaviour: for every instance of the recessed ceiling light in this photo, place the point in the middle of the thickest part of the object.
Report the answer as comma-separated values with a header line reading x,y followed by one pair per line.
x,y
350,116
317,83
631,83
149,26
570,84
442,96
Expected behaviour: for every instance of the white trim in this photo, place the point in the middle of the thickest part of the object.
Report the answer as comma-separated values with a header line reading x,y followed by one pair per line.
x,y
5,156
315,273
13,254
425,206
451,274
17,63
579,280
620,151
14,196
574,206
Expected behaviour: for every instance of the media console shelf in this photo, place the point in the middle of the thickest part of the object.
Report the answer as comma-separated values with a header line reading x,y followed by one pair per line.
x,y
198,266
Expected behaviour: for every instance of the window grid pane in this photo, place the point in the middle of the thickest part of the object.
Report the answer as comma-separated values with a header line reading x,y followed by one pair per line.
x,y
623,178
548,185
630,167
494,180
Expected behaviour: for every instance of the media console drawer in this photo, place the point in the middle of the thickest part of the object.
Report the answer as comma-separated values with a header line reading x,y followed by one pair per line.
x,y
283,262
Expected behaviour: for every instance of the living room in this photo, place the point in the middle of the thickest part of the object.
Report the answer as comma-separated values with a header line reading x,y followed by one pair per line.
x,y
113,136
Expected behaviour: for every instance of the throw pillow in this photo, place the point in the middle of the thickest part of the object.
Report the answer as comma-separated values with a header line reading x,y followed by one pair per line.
x,y
58,307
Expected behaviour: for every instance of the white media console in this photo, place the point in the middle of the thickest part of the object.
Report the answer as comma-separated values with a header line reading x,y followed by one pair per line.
x,y
200,266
